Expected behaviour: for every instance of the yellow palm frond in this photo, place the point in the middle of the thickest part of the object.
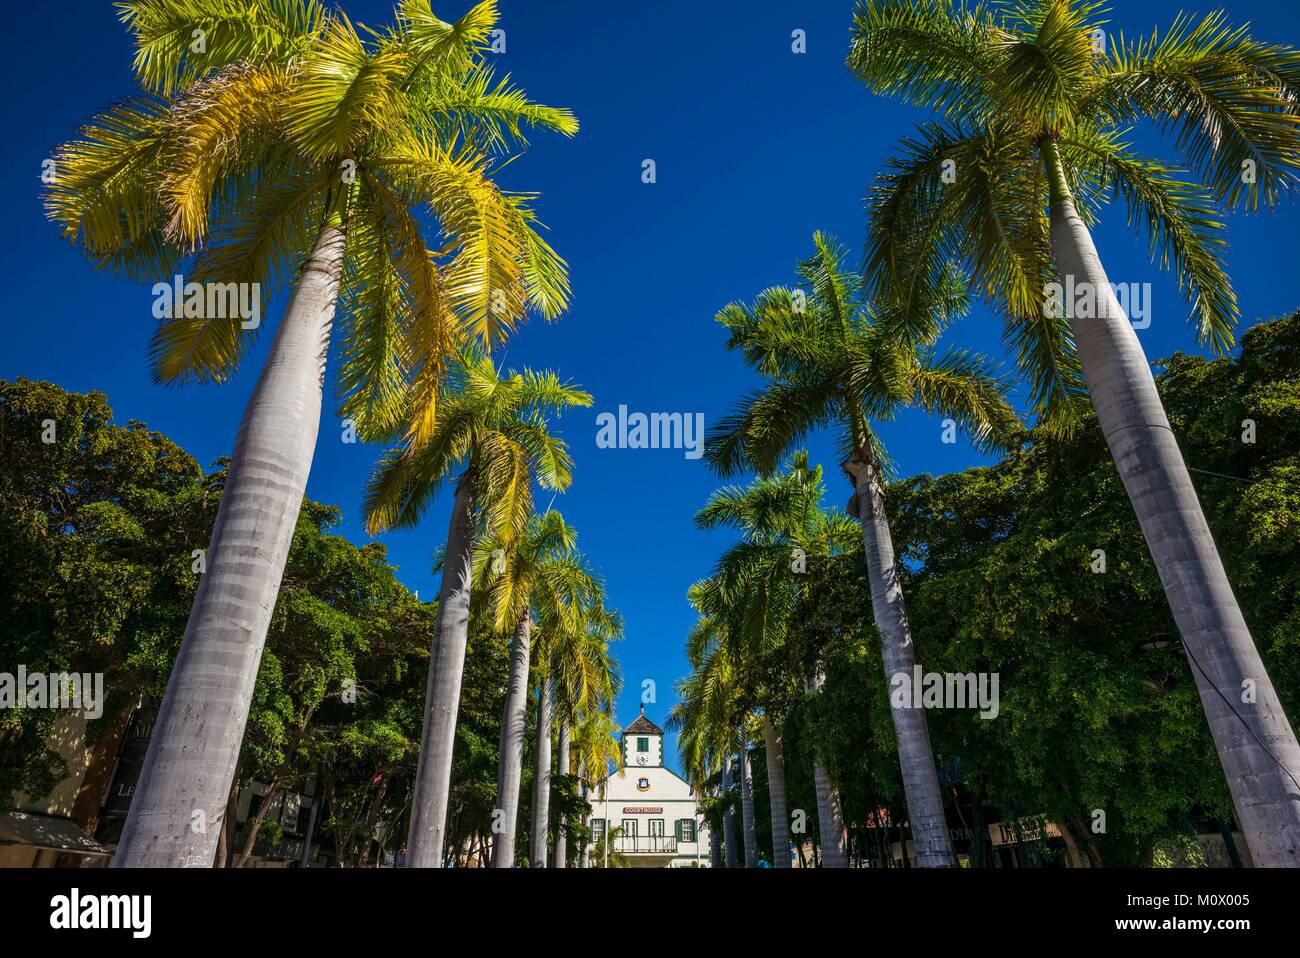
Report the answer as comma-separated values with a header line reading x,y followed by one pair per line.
x,y
180,41
267,238
103,195
429,328
225,131
344,93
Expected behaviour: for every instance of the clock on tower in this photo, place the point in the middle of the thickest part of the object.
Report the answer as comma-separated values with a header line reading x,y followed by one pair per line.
x,y
643,744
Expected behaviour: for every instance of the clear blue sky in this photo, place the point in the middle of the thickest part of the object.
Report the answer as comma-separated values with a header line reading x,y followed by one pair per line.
x,y
756,147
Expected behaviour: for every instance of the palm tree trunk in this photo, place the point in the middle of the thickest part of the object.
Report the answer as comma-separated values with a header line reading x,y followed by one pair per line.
x,y
561,850
542,775
728,819
776,794
510,763
915,755
427,835
192,754
830,820
747,802
1256,744
830,816
715,848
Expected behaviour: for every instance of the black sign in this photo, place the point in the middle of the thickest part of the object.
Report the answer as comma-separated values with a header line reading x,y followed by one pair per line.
x,y
130,759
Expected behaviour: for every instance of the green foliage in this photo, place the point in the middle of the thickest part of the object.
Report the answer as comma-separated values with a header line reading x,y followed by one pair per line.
x,y
1098,707
266,121
1034,100
98,530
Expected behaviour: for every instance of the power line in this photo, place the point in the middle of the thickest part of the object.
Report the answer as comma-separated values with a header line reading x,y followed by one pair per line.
x,y
1224,475
1231,708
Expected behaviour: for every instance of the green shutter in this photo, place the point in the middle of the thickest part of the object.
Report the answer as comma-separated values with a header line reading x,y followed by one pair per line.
x,y
678,825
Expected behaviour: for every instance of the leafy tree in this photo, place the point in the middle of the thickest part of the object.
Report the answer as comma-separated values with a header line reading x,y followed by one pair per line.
x,y
99,525
1036,106
1098,707
495,427
832,359
288,146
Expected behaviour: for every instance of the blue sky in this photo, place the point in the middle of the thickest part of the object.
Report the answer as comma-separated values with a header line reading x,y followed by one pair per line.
x,y
755,147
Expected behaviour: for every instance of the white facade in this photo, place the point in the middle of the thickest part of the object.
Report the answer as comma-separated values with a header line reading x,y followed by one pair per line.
x,y
655,809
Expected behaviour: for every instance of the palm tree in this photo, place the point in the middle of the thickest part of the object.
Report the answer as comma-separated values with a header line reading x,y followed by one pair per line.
x,y
831,358
586,680
747,798
1036,107
574,652
596,747
755,589
542,584
699,756
290,145
603,851
495,430
830,814
705,715
776,792
728,817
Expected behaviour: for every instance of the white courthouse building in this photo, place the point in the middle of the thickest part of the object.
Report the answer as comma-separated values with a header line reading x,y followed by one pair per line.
x,y
655,810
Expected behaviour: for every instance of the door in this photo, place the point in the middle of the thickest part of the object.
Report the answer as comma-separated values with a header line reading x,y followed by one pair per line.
x,y
656,834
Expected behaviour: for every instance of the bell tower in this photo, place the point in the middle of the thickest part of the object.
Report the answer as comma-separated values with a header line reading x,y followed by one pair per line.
x,y
643,744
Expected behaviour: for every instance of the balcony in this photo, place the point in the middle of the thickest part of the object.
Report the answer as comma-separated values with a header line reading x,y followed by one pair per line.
x,y
645,845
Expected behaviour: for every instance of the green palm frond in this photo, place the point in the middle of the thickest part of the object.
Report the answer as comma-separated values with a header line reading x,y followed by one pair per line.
x,y
1231,101
263,243
430,328
1044,59
551,464
344,94
966,386
435,45
766,423
180,41
935,54
491,115
483,249
405,482
1180,222
104,195
376,353
223,133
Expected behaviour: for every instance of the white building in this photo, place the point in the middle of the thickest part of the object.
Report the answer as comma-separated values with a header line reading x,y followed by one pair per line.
x,y
654,810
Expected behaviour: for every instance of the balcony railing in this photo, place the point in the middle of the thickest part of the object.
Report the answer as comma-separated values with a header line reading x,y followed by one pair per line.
x,y
646,844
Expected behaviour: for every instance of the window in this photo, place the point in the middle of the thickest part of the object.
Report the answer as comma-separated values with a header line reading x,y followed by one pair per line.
x,y
643,745
597,828
291,817
686,829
